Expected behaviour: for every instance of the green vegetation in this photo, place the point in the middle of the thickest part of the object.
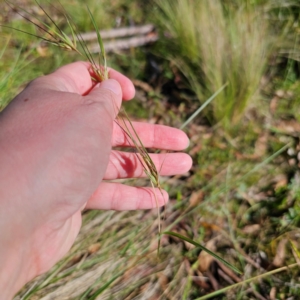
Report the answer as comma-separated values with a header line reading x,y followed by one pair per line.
x,y
223,42
241,200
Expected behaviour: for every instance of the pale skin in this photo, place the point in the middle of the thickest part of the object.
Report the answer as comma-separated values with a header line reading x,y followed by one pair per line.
x,y
56,140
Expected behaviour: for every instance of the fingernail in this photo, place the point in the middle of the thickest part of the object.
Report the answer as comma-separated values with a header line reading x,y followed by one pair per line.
x,y
112,85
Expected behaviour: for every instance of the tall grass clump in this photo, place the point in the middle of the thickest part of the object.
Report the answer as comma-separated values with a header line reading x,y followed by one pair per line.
x,y
218,42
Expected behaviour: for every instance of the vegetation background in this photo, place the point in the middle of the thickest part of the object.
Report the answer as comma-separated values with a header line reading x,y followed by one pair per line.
x,y
242,197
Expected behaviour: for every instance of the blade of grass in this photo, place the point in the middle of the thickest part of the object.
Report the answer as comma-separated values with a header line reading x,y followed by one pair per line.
x,y
221,291
101,289
144,158
193,116
48,16
59,38
77,36
22,31
149,166
100,42
233,268
297,252
16,8
224,190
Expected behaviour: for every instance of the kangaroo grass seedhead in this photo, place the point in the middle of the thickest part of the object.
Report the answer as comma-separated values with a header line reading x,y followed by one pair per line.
x,y
143,156
57,37
101,71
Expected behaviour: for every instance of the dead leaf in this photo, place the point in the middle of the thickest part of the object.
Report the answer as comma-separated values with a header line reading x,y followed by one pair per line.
x,y
163,280
75,259
196,198
196,149
142,85
94,248
210,226
279,258
205,260
251,229
273,293
288,126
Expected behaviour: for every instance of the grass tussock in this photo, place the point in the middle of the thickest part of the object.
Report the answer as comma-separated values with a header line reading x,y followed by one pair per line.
x,y
218,43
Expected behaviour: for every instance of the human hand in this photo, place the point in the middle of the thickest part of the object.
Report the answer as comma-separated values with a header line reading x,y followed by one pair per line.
x,y
56,140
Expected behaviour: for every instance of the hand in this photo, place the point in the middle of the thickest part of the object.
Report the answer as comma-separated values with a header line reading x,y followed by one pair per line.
x,y
56,140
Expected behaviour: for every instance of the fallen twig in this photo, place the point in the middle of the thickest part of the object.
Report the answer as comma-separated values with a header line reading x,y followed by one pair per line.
x,y
118,32
123,44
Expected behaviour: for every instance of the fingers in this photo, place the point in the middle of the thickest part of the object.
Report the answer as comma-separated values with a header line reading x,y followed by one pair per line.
x,y
117,196
128,165
76,78
127,86
152,136
73,78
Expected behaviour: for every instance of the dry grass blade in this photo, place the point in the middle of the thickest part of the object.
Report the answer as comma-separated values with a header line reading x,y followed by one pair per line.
x,y
204,249
142,155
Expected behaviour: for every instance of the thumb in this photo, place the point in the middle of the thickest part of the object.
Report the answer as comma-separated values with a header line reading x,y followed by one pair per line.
x,y
108,90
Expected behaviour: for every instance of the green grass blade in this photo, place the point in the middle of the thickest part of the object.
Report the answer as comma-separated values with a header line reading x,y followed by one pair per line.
x,y
100,42
49,17
22,31
266,161
297,252
221,291
104,287
15,7
72,32
203,106
77,36
4,48
58,36
233,268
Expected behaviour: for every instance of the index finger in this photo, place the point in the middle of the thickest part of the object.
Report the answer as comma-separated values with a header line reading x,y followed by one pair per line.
x,y
152,136
76,78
